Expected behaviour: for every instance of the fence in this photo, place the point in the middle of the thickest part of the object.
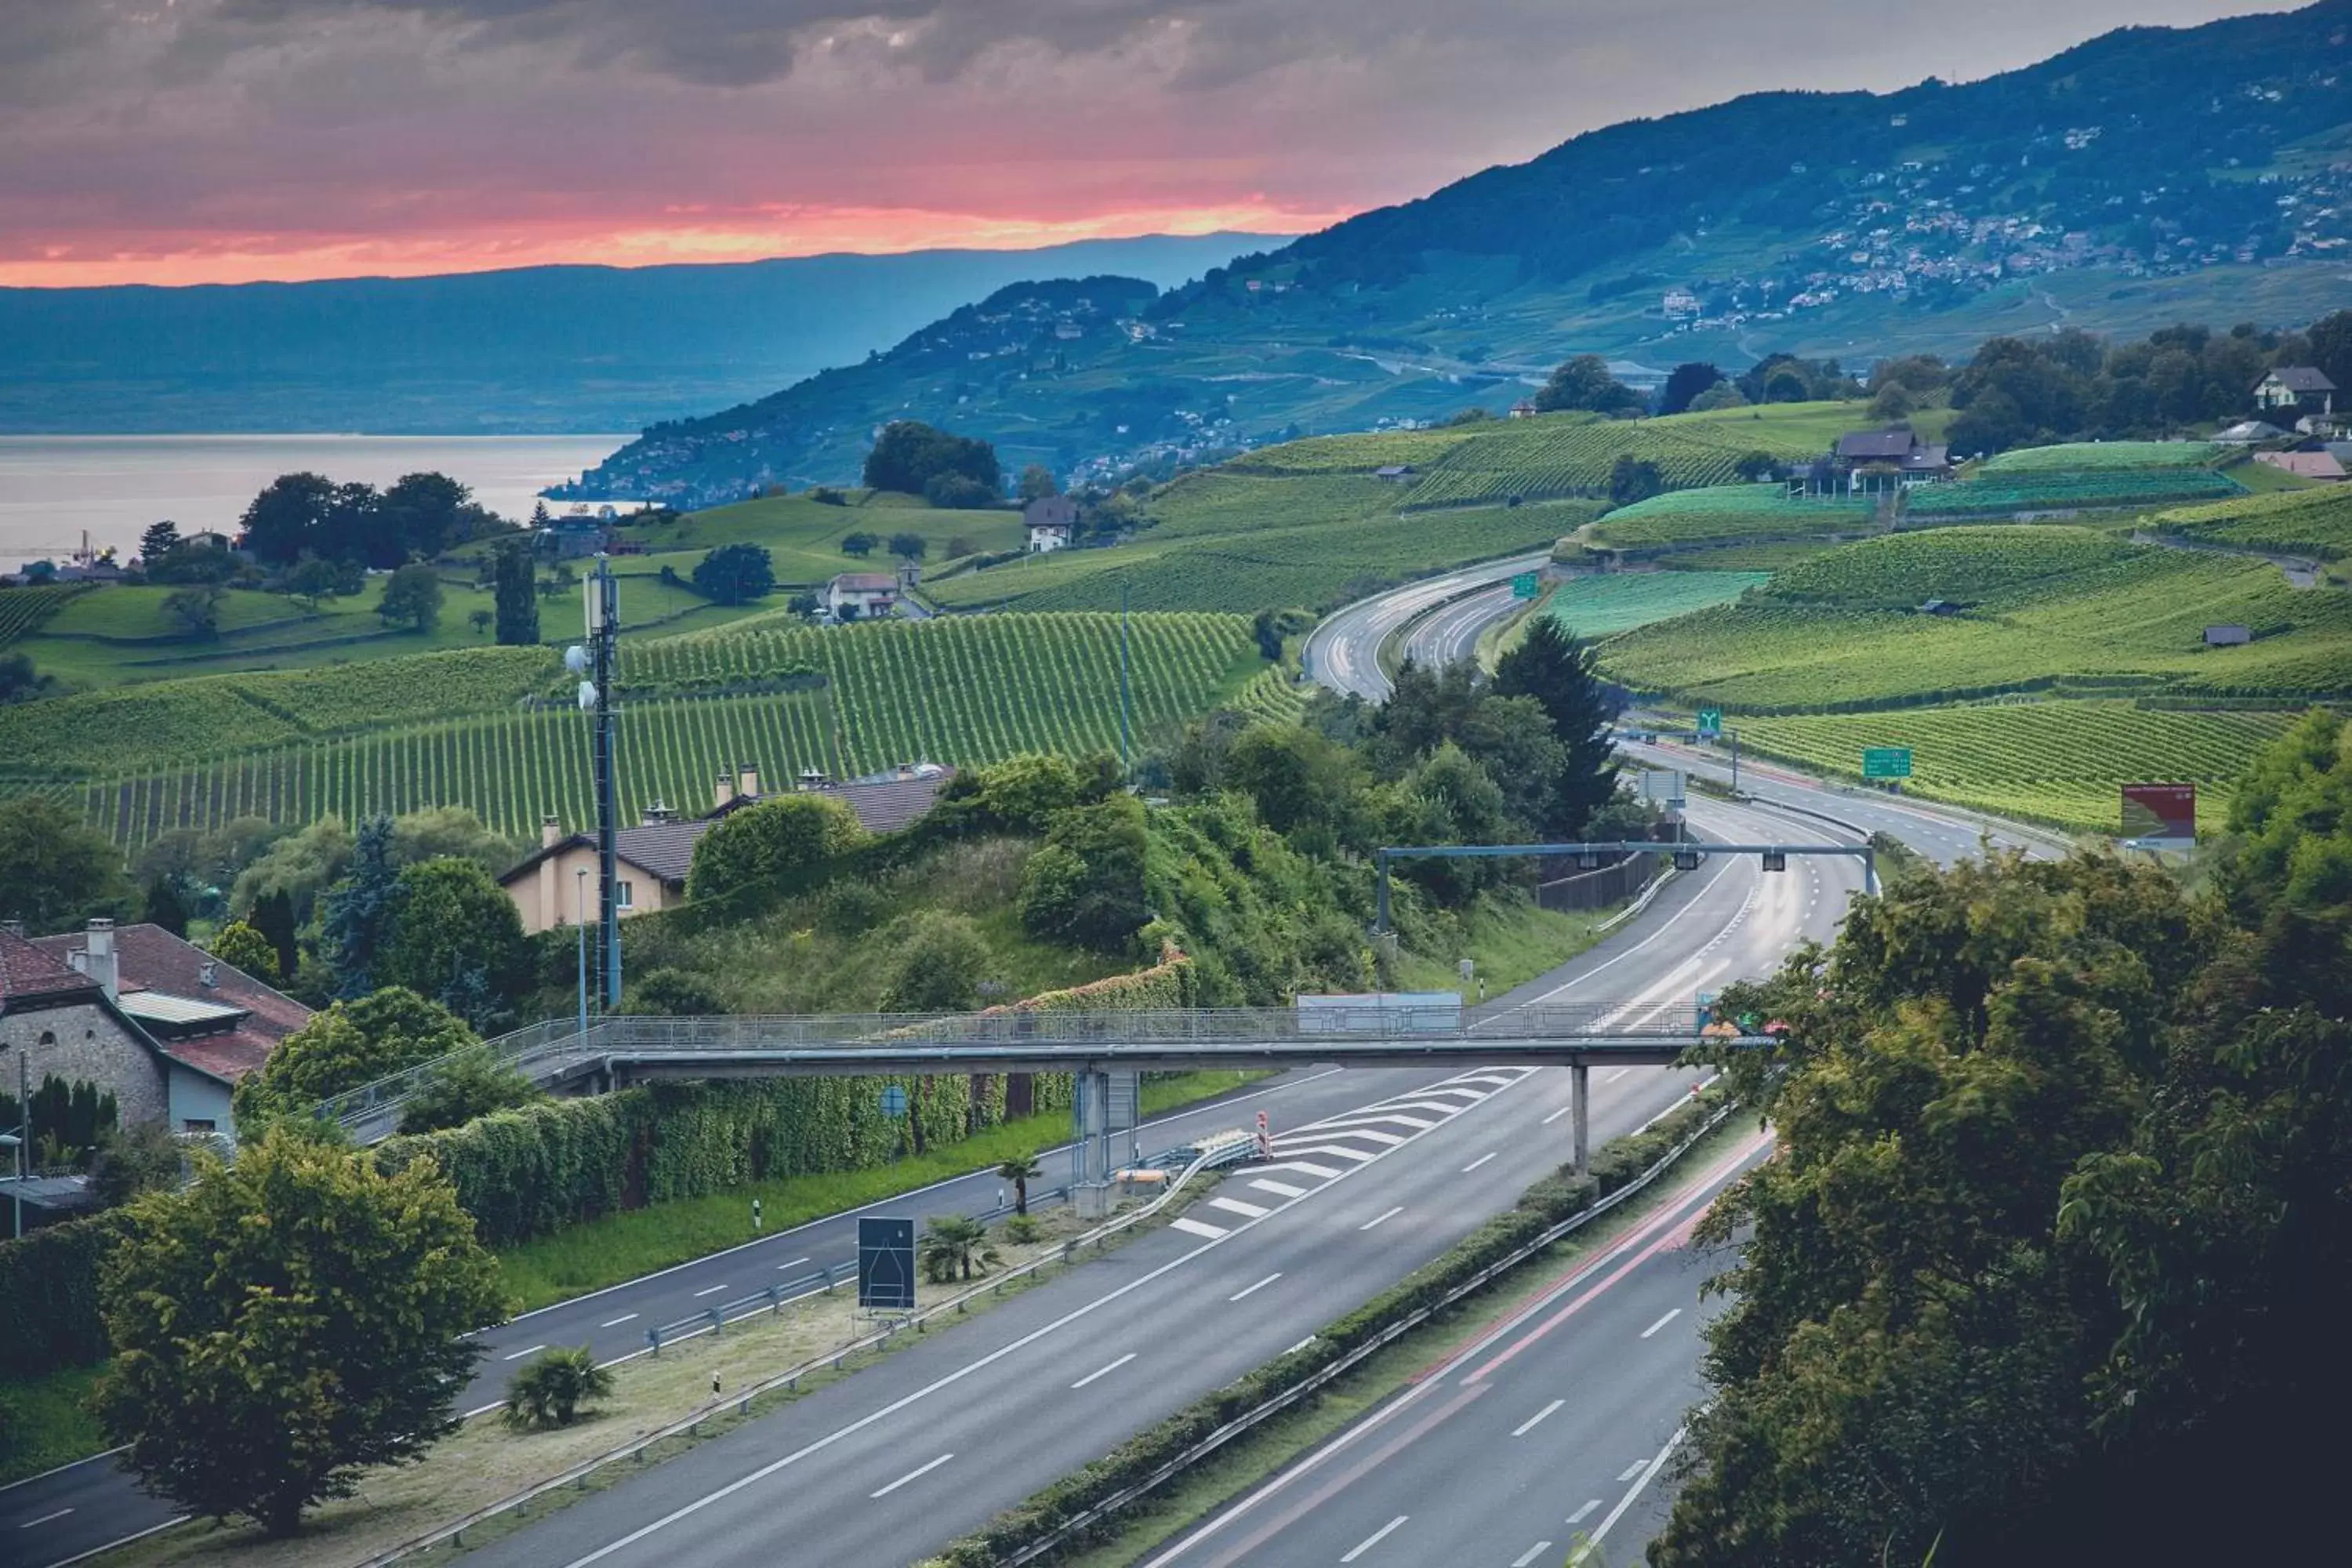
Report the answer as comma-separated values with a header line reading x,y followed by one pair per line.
x,y
1612,884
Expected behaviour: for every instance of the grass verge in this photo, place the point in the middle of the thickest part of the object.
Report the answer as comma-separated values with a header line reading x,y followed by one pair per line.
x,y
1157,1520
52,1428
1510,941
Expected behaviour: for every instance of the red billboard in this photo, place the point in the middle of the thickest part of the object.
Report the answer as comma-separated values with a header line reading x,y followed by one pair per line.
x,y
2162,812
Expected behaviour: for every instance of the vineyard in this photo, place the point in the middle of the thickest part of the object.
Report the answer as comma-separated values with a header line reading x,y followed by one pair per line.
x,y
1971,567
2056,762
1361,453
959,692
23,610
2316,523
2090,456
1619,601
2136,626
1575,455
2011,492
1730,512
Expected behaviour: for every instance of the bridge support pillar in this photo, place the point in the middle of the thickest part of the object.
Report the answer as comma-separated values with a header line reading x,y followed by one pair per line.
x,y
1579,1115
1103,1110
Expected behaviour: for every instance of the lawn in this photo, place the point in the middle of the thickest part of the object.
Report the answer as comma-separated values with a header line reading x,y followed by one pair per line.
x,y
1619,601
53,1428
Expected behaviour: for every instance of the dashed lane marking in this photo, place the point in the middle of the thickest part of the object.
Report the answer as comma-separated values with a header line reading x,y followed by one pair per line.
x,y
1235,1205
1377,1219
1662,1322
1253,1289
1528,1425
1478,1162
1374,1539
1103,1371
915,1474
1304,1168
1279,1189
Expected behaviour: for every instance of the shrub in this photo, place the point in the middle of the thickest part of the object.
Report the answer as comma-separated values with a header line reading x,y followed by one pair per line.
x,y
937,962
767,840
955,492
548,1389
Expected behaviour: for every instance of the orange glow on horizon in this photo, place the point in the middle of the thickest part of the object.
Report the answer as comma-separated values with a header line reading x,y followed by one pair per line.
x,y
292,259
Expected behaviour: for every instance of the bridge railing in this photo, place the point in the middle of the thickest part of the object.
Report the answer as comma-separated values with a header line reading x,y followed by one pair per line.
x,y
557,1047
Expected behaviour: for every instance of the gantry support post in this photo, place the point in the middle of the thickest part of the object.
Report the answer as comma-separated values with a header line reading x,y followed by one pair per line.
x,y
1580,1115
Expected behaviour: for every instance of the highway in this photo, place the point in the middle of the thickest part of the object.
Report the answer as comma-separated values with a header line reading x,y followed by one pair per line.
x,y
1549,1435
1343,650
885,1467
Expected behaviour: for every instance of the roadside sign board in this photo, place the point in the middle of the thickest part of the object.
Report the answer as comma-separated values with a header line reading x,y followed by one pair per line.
x,y
894,1101
886,1264
1664,785
1710,721
2160,813
1887,762
1523,586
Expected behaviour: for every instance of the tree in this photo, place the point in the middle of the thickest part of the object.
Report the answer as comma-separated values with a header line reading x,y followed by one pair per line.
x,y
909,455
165,903
1684,383
420,515
356,913
313,582
54,872
1633,478
243,948
412,595
937,963
481,621
1757,464
158,540
735,574
194,611
300,867
1785,386
141,1158
1036,483
960,492
297,512
514,593
549,1389
955,1247
454,936
21,682
859,543
1020,1170
287,1322
272,918
471,1084
1552,666
1086,885
1722,394
909,545
762,842
1584,382
347,1044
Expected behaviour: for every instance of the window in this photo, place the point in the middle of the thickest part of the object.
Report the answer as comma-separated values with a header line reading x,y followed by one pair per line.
x,y
624,895
203,1124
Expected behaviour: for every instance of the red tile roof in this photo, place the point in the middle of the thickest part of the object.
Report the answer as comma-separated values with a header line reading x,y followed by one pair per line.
x,y
149,958
27,972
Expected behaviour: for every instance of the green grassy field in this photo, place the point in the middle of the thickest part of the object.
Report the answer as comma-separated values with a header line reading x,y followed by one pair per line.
x,y
2132,621
457,731
1619,601
2060,762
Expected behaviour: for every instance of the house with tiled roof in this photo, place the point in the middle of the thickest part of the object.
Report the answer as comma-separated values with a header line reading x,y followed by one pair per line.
x,y
556,884
162,1024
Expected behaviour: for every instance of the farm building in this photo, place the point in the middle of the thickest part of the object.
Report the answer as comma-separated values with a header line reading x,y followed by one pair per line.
x,y
1395,474
2304,465
868,595
2247,432
2299,387
2228,637
1895,453
1052,521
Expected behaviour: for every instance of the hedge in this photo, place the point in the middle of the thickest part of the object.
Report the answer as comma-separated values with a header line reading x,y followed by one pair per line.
x,y
531,1171
1541,1206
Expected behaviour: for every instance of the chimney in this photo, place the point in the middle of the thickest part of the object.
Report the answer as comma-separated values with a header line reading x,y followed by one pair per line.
x,y
906,770
747,779
208,974
102,967
14,928
652,815
813,778
551,832
725,792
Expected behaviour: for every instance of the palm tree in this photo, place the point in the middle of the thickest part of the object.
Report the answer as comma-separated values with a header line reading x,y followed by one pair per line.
x,y
953,1247
1018,1170
549,1389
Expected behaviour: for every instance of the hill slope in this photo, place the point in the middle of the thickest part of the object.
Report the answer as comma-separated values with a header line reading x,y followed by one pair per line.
x,y
2150,175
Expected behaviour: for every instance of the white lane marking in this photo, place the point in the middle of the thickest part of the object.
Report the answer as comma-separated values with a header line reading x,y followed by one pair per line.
x,y
1492,1079
1354,1126
1629,1472
616,1323
45,1519
795,1263
1279,1189
1480,1160
712,1291
1648,1473
125,1540
1103,1371
1388,1139
1377,1218
1530,1554
520,1354
1580,1515
1662,1322
1191,1226
1556,1115
1333,1149
912,1475
1235,1205
1528,1425
1374,1539
1254,1289
1467,1094
1614,1074
1434,1107
1304,1168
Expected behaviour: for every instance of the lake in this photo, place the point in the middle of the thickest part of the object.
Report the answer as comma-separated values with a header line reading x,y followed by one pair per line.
x,y
53,486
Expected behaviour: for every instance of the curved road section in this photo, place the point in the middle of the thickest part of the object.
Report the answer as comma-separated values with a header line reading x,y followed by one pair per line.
x,y
1343,652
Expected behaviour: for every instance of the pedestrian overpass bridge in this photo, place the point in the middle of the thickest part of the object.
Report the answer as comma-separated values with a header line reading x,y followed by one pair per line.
x,y
1105,1048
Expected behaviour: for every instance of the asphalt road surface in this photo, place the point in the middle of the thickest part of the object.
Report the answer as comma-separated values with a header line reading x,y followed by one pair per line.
x,y
1343,650
1545,1440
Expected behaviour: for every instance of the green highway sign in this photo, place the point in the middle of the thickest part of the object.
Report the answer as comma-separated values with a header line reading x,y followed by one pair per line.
x,y
1710,721
1523,586
1887,762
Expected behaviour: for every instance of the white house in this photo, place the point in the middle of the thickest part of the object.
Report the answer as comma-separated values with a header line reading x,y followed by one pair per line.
x,y
2300,387
862,596
1052,521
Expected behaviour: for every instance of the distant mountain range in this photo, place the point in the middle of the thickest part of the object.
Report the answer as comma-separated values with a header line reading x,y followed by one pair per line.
x,y
533,350
2150,175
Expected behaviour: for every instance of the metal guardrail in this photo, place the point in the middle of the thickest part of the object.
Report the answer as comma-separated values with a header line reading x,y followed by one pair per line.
x,y
576,1477
1244,1423
551,1051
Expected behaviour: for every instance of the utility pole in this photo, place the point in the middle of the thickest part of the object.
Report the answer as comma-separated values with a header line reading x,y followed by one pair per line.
x,y
580,919
1126,765
595,661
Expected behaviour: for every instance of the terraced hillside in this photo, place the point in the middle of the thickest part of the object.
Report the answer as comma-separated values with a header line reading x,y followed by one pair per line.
x,y
2316,523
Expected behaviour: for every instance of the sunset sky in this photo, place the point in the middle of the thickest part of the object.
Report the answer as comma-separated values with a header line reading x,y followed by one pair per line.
x,y
218,140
